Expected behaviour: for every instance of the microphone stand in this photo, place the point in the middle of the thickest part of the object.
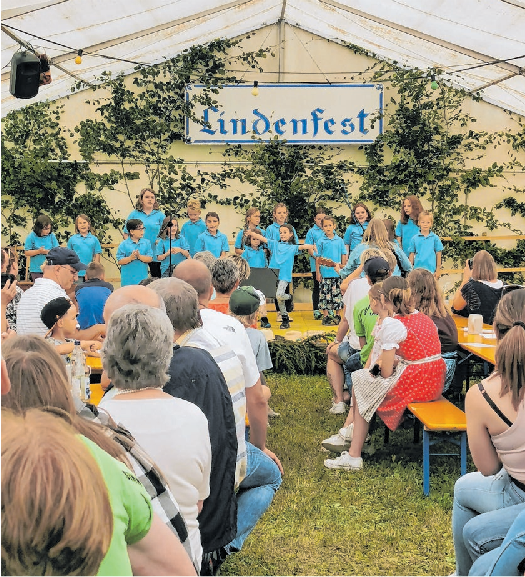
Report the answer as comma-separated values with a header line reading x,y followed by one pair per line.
x,y
168,226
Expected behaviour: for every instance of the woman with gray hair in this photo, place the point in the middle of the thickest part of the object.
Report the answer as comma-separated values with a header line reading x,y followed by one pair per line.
x,y
136,355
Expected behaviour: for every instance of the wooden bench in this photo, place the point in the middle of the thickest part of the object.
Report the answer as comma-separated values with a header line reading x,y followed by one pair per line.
x,y
441,420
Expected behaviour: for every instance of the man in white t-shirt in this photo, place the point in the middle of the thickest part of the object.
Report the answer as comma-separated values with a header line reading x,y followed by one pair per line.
x,y
228,332
60,271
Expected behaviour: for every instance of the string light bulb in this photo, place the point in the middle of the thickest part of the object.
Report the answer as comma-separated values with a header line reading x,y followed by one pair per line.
x,y
78,59
433,84
255,89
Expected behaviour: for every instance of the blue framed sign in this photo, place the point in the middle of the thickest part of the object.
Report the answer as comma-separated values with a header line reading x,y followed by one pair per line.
x,y
297,113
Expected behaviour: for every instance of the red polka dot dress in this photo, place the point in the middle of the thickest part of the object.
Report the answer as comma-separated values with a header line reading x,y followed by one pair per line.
x,y
418,382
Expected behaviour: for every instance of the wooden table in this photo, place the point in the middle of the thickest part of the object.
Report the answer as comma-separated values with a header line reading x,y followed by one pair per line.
x,y
483,346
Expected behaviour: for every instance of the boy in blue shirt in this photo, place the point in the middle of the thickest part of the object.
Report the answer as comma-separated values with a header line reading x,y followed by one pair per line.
x,y
425,248
192,228
330,246
92,295
312,236
86,245
133,254
212,239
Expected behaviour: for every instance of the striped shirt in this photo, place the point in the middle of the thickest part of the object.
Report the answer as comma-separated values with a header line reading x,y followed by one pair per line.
x,y
232,370
32,302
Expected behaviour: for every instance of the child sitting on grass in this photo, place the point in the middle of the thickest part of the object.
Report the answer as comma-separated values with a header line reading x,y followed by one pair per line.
x,y
244,306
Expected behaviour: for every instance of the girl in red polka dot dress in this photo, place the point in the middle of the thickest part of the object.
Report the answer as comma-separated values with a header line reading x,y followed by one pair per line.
x,y
409,368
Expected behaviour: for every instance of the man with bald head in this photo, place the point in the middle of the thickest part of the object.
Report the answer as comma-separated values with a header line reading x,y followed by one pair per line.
x,y
132,294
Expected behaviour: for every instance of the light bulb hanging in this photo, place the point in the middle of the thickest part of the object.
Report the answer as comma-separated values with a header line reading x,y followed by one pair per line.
x,y
78,59
255,89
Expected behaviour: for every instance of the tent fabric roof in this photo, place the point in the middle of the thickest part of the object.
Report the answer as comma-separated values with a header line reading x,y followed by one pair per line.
x,y
460,37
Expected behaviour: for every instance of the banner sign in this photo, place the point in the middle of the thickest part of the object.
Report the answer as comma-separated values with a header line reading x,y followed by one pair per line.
x,y
297,113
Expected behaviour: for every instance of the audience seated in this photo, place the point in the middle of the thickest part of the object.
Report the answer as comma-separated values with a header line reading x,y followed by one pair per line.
x,y
91,296
37,379
409,368
480,290
427,298
206,257
263,470
64,531
136,356
60,317
343,359
60,271
496,432
10,266
225,279
196,377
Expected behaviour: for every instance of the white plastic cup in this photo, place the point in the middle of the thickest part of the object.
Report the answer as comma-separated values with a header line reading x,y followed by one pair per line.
x,y
475,324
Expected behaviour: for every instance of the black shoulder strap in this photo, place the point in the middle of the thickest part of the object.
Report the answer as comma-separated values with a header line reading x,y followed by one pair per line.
x,y
493,406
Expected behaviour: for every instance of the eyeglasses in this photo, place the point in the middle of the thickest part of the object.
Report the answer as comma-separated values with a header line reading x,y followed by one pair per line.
x,y
71,270
140,228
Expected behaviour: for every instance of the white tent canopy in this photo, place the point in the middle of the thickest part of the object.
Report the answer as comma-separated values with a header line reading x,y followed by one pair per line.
x,y
479,43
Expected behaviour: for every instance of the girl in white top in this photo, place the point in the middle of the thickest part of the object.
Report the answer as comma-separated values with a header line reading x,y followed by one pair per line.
x,y
174,432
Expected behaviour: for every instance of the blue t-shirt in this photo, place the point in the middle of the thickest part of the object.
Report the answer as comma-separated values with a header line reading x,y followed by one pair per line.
x,y
216,244
406,232
273,233
86,248
332,248
283,254
34,242
425,249
312,236
163,246
240,234
91,297
255,257
191,231
152,225
354,234
136,270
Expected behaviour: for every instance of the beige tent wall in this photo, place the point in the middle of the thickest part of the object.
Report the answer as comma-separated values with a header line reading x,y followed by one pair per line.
x,y
299,57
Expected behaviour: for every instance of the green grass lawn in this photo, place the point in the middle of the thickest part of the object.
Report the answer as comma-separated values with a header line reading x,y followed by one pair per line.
x,y
325,522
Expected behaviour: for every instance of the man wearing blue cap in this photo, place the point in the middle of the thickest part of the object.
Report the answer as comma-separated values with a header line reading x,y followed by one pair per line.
x,y
60,271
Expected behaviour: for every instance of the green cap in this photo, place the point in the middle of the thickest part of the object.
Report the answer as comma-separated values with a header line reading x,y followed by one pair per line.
x,y
244,301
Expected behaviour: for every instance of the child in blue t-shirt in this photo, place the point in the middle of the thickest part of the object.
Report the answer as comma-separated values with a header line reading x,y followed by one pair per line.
x,y
212,239
254,253
133,254
331,246
361,216
193,227
38,243
86,245
251,222
283,254
407,225
180,249
425,248
312,236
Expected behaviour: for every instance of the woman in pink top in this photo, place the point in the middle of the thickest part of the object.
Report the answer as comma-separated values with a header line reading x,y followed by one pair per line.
x,y
496,430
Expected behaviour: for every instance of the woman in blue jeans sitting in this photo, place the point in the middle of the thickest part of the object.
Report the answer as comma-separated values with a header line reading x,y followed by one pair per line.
x,y
495,412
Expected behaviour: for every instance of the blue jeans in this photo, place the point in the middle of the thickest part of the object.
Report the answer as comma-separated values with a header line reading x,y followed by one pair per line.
x,y
504,560
255,494
351,362
475,494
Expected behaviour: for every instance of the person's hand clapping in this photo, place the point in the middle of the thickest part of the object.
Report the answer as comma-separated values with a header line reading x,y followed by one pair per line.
x,y
8,292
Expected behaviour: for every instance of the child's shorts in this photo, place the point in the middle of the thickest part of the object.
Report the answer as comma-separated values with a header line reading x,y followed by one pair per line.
x,y
330,296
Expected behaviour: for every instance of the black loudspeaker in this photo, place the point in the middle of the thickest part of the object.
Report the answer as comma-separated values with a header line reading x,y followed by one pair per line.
x,y
25,75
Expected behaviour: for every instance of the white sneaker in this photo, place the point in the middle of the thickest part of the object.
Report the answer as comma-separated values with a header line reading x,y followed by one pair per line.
x,y
338,408
344,461
340,441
